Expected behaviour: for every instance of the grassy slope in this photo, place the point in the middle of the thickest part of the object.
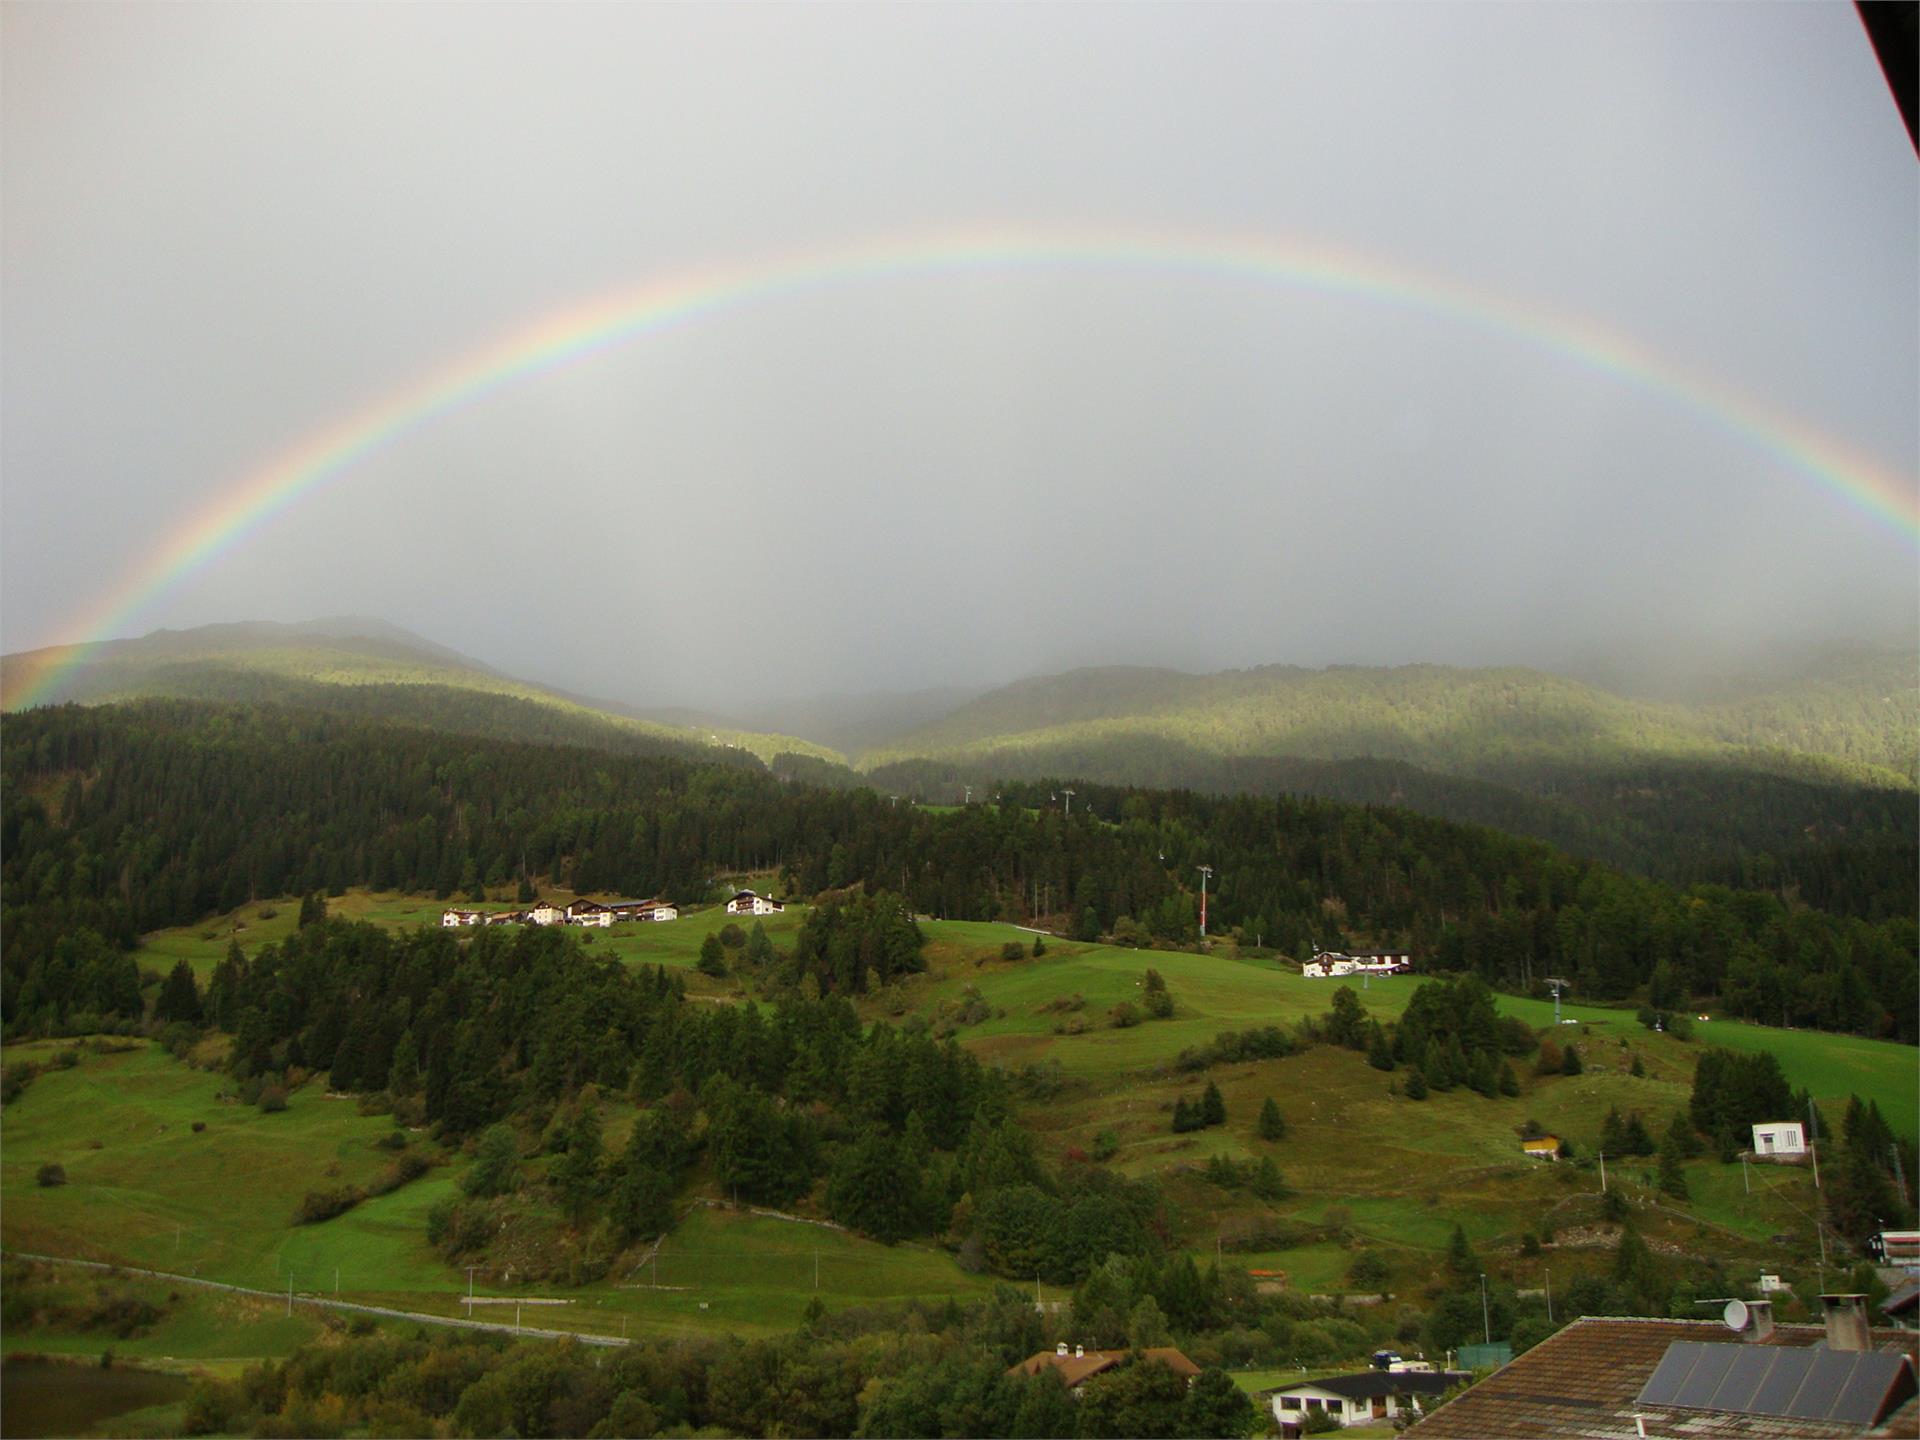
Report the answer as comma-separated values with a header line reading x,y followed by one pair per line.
x,y
1460,721
1385,1172
378,676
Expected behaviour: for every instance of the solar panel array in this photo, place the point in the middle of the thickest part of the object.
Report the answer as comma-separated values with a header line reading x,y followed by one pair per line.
x,y
1849,1386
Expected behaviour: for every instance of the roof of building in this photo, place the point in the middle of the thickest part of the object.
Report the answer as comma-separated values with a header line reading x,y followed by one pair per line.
x,y
1076,1370
1585,1383
1543,1142
1903,1297
1371,1383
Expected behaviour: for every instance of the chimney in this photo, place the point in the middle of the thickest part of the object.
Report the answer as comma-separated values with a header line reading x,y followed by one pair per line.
x,y
1759,1321
1847,1322
1060,1349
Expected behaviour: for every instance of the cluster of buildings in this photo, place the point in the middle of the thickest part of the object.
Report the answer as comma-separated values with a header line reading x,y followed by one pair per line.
x,y
579,912
1331,964
601,914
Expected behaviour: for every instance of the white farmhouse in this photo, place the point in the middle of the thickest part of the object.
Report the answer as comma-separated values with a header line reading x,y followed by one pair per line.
x,y
449,919
1364,1399
547,913
746,902
1779,1140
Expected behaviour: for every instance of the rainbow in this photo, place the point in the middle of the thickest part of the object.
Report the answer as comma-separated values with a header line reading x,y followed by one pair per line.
x,y
586,330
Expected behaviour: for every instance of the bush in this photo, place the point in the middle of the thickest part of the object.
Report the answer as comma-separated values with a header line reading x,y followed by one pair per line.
x,y
48,1176
1105,1145
1125,1015
392,1140
318,1205
410,1166
1014,950
198,1126
732,936
15,1079
1039,946
272,1099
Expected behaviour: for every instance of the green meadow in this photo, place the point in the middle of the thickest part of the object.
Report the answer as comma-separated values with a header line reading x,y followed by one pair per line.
x,y
1365,1168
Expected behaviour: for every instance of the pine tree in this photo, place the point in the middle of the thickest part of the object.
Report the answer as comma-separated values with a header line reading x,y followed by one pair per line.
x,y
1673,1180
1416,1086
1460,1257
1509,1082
713,959
1570,1061
179,997
1213,1106
1272,1125
495,1160
577,1177
1379,1053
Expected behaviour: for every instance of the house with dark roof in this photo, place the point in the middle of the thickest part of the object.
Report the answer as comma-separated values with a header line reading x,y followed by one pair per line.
x,y
1363,1399
1080,1365
746,902
1625,1378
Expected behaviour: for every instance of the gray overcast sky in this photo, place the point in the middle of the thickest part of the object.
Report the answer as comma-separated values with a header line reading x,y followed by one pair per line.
x,y
227,227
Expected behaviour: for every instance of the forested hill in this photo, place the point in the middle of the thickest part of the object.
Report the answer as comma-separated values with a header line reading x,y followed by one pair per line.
x,y
1863,718
371,669
119,819
1760,783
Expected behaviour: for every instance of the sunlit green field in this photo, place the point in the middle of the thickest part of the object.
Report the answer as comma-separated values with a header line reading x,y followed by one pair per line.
x,y
1364,1166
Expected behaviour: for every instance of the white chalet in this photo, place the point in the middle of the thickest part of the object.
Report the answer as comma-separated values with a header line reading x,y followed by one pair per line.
x,y
746,902
452,918
1330,964
547,913
1781,1140
643,910
589,912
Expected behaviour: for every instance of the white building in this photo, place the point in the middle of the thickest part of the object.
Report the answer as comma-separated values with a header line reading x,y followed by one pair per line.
x,y
449,919
1782,1139
1330,964
589,912
1364,1399
547,913
643,910
746,902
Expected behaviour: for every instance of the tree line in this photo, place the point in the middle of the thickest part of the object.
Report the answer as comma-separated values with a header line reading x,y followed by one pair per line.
x,y
121,819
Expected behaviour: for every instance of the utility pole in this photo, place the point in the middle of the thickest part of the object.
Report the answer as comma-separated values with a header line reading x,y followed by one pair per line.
x,y
1743,1173
816,1267
1813,1138
969,799
1899,1172
336,1282
470,1270
1069,795
1486,1318
1603,1172
1549,1297
1206,873
289,1292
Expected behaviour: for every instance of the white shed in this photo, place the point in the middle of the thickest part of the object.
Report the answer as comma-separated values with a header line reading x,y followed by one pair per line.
x,y
1782,1139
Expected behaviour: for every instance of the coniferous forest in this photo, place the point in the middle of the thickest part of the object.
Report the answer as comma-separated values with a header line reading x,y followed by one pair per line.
x,y
118,820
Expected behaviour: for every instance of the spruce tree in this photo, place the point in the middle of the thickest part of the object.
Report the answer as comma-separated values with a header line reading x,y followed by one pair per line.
x,y
1272,1125
1213,1106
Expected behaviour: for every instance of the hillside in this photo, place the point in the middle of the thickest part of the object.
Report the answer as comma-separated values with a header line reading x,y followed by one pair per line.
x,y
1755,780
372,670
1862,720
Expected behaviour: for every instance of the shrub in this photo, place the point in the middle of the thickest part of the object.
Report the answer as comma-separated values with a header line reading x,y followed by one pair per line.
x,y
198,1126
410,1166
732,936
48,1176
318,1205
1013,950
272,1099
15,1079
1125,1015
1105,1145
1039,946
392,1140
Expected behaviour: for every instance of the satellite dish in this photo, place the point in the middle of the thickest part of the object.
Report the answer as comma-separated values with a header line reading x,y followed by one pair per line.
x,y
1735,1315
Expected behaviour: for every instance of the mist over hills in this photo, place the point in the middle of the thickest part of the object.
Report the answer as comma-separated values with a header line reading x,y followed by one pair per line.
x,y
1799,778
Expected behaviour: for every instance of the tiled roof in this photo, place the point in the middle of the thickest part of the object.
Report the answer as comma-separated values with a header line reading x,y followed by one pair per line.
x,y
1582,1384
1076,1369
